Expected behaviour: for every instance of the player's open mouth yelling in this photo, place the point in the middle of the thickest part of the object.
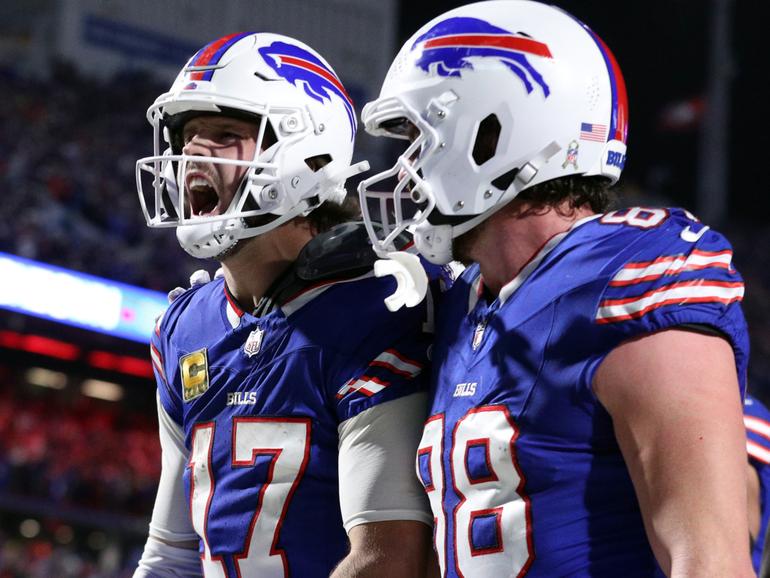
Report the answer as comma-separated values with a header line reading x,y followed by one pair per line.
x,y
202,195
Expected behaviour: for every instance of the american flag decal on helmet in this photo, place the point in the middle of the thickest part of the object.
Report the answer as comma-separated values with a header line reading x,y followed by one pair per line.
x,y
447,47
296,64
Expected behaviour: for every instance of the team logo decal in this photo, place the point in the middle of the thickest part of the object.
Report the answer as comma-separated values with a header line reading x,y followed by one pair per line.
x,y
195,374
449,45
298,65
254,342
572,154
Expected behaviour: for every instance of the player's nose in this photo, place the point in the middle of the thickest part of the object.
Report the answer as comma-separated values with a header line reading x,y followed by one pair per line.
x,y
197,145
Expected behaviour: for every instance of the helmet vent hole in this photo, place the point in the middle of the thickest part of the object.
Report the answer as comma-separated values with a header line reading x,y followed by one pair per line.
x,y
399,66
487,138
592,93
318,162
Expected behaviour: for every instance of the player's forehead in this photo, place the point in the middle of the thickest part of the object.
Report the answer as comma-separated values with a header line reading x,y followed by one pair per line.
x,y
219,122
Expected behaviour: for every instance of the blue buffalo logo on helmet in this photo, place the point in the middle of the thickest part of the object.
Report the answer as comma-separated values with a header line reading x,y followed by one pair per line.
x,y
296,64
449,45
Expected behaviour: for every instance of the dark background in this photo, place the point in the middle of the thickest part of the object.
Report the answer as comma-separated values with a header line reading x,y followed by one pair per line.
x,y
662,47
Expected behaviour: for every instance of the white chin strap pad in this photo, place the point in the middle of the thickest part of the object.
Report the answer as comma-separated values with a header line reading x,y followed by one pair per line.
x,y
206,240
434,242
410,276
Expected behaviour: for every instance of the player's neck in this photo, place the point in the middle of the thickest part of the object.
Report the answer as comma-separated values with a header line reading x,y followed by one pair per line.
x,y
513,236
251,271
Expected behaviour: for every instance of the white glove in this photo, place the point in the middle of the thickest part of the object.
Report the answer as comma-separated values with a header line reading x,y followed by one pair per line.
x,y
199,277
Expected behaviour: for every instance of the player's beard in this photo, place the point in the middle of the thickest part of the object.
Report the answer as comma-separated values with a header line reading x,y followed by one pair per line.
x,y
463,246
249,204
240,244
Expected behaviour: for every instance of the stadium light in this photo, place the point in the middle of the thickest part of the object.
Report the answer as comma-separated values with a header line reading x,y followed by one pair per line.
x,y
78,299
99,389
46,378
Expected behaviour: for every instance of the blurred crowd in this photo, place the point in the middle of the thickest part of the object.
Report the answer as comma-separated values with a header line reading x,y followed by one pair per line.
x,y
45,558
80,461
78,454
68,147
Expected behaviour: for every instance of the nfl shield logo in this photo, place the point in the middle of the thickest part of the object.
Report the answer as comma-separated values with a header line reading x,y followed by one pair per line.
x,y
253,342
478,335
572,155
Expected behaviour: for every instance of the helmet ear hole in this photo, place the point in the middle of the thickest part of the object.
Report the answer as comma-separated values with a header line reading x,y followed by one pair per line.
x,y
487,138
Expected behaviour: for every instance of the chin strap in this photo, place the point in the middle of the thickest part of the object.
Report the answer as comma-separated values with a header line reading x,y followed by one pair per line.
x,y
339,193
525,175
434,242
411,279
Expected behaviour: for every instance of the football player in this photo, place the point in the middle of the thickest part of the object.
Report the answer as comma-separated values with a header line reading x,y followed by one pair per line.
x,y
585,417
756,418
290,401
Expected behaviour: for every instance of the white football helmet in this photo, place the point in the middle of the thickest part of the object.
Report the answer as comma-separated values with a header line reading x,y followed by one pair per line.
x,y
495,97
292,93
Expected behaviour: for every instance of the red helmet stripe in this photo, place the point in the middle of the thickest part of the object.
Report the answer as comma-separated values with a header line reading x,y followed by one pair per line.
x,y
517,43
619,118
212,53
306,64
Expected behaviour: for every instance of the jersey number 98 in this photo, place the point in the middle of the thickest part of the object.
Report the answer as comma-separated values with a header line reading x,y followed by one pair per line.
x,y
490,527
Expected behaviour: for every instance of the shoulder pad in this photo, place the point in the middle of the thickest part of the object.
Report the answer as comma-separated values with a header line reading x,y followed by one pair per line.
x,y
344,249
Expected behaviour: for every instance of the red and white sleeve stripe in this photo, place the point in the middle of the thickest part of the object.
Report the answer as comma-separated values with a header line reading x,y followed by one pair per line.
x,y
758,426
757,452
761,428
157,361
392,361
645,271
397,363
685,292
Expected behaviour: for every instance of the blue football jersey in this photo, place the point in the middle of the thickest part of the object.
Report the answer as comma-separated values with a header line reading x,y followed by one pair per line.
x,y
756,417
518,457
259,397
